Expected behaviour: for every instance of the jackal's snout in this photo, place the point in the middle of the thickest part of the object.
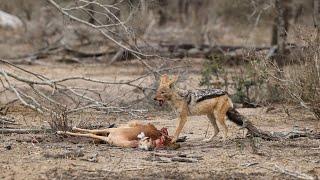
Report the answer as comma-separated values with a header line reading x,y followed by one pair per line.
x,y
159,99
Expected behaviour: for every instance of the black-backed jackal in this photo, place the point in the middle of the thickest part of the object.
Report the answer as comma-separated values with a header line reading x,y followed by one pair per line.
x,y
214,103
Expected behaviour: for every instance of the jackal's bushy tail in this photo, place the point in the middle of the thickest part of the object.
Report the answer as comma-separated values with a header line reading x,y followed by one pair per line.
x,y
235,116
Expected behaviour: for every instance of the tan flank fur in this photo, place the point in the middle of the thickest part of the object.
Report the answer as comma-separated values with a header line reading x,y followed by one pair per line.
x,y
215,108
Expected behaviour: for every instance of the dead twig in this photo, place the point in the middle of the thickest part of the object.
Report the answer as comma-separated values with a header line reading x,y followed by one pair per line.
x,y
5,107
178,157
7,121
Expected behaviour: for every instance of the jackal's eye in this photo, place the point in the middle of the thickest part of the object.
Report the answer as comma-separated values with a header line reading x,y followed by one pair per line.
x,y
162,92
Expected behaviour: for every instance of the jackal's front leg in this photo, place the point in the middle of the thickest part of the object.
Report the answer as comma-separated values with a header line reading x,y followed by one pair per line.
x,y
181,122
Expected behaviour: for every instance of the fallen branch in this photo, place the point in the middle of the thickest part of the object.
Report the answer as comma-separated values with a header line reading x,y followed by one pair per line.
x,y
24,131
7,121
38,54
81,54
204,50
182,159
178,157
240,120
253,131
294,174
163,155
223,48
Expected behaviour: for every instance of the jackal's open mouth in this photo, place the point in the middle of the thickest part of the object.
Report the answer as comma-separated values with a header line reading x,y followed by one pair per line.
x,y
161,102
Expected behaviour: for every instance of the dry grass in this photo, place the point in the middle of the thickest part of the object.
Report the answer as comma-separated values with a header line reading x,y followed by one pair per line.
x,y
59,120
299,81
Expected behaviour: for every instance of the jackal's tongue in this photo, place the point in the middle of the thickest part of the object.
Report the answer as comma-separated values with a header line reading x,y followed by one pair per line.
x,y
161,102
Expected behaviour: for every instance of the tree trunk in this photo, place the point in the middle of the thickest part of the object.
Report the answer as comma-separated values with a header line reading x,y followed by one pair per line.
x,y
316,18
91,13
143,6
162,12
282,29
274,38
281,26
281,21
183,9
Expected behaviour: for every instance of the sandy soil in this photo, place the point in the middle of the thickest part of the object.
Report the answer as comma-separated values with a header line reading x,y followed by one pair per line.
x,y
38,156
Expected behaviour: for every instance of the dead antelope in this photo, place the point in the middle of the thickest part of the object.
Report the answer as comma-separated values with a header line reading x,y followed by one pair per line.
x,y
133,134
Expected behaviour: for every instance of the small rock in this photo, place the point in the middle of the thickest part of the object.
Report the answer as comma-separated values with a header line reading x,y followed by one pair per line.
x,y
8,21
8,147
194,51
91,158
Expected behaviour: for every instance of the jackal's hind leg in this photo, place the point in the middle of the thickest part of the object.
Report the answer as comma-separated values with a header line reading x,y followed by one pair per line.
x,y
221,118
215,128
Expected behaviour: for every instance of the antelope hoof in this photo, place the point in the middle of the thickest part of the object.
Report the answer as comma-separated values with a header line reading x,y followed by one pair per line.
x,y
74,128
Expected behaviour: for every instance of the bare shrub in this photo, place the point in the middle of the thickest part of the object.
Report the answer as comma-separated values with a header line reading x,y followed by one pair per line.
x,y
244,82
59,120
300,78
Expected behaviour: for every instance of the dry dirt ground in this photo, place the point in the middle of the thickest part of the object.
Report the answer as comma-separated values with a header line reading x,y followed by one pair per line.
x,y
48,156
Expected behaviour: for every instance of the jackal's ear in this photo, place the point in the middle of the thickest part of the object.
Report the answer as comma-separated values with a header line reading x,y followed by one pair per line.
x,y
164,79
172,80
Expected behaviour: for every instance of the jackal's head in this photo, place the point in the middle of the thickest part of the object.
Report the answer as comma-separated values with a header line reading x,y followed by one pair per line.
x,y
165,90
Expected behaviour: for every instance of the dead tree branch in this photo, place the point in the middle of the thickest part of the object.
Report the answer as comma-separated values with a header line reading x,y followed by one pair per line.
x,y
253,131
40,93
106,29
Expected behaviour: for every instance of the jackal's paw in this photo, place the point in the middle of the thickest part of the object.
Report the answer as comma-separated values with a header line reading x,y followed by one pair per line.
x,y
225,138
59,132
174,140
